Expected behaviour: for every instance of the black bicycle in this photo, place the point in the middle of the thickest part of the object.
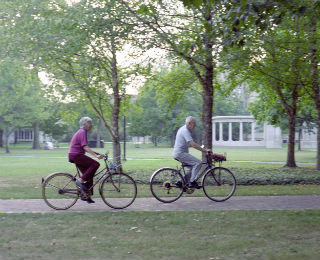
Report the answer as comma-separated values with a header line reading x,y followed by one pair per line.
x,y
117,190
218,183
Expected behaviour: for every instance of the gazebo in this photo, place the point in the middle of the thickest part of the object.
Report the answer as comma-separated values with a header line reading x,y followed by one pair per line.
x,y
242,131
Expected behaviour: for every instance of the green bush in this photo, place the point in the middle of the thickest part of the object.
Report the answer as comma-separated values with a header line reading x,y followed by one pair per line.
x,y
275,176
257,175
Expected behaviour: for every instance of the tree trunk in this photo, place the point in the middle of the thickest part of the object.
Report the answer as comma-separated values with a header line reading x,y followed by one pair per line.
x,y
207,83
7,145
291,143
155,141
99,134
318,141
36,141
299,139
207,96
1,138
116,108
16,134
315,81
173,137
7,134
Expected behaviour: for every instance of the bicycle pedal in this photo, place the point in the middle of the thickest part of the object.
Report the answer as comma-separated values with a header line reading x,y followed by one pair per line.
x,y
189,191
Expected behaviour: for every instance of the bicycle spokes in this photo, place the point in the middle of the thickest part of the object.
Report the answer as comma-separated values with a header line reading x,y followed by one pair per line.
x,y
219,184
59,191
166,185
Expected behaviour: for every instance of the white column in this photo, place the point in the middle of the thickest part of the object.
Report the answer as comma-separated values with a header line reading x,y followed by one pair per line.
x,y
230,132
253,136
214,132
220,132
241,132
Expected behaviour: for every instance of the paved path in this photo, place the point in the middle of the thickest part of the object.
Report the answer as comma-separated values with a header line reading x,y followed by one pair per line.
x,y
184,203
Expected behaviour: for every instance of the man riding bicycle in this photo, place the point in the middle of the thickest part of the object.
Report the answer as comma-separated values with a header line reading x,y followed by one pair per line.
x,y
181,150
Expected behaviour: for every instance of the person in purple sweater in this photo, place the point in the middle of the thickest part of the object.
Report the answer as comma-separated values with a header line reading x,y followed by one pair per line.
x,y
87,165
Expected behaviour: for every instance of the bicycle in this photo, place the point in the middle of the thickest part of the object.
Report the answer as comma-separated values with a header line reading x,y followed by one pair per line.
x,y
117,190
219,184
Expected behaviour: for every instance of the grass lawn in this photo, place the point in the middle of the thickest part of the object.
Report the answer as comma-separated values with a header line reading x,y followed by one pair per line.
x,y
161,235
21,170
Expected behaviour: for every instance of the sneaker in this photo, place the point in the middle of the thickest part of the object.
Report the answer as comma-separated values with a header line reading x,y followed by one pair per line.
x,y
89,200
81,185
194,185
83,196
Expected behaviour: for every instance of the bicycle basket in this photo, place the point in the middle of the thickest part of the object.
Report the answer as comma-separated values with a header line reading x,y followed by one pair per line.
x,y
217,157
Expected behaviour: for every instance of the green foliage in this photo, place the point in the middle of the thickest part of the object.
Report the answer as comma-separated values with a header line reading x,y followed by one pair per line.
x,y
160,109
254,175
21,95
275,176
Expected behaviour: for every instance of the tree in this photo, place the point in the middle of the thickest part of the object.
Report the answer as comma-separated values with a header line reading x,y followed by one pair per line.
x,y
21,101
313,19
77,45
192,35
273,64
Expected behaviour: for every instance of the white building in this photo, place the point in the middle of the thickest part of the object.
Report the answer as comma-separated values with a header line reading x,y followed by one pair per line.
x,y
26,135
242,131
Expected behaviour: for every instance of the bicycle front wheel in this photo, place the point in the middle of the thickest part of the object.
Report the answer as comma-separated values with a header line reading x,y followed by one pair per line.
x,y
118,190
166,185
219,184
60,191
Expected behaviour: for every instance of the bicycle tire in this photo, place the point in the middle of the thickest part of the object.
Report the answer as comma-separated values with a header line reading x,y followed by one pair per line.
x,y
164,185
59,191
118,190
219,184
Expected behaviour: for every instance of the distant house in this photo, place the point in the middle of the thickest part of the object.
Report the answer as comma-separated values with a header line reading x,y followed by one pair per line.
x,y
25,134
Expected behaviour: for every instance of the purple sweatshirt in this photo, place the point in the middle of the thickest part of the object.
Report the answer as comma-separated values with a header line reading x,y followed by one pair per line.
x,y
78,141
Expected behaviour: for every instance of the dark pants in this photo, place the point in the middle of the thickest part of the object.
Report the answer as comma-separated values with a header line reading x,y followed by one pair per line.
x,y
86,165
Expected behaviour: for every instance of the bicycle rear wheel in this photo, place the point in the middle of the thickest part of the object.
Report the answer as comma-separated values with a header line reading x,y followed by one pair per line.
x,y
166,185
219,184
118,190
60,191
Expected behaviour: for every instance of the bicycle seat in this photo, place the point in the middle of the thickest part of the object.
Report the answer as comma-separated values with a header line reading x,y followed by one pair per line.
x,y
183,164
70,161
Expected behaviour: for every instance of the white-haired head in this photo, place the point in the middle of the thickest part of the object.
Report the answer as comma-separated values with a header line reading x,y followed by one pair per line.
x,y
190,119
190,122
84,120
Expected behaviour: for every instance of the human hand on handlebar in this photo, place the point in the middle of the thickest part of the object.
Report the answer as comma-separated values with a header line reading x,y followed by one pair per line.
x,y
99,155
205,150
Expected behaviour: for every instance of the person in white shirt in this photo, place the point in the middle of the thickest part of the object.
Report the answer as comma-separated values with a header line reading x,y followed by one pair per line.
x,y
181,150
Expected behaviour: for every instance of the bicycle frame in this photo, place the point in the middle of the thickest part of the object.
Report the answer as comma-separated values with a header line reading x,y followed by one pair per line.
x,y
107,173
209,166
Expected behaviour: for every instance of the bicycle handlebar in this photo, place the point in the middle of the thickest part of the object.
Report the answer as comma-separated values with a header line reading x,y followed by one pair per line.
x,y
105,156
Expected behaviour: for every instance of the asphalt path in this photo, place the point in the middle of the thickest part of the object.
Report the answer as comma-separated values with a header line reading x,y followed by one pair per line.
x,y
183,204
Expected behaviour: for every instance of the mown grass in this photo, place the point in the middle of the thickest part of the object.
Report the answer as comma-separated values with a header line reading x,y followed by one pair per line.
x,y
22,170
162,235
159,235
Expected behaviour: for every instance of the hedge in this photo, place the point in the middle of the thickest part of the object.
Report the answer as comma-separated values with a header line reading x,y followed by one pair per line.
x,y
257,176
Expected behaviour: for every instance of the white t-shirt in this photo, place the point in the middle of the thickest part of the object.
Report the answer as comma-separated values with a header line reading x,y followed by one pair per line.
x,y
183,138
